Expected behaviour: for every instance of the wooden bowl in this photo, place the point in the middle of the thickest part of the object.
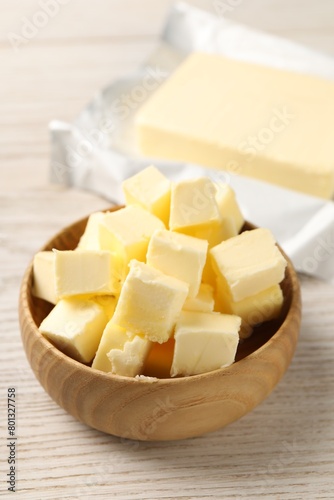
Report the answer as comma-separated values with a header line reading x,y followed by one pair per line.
x,y
163,409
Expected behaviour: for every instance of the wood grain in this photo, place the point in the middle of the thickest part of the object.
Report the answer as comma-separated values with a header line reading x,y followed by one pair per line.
x,y
284,448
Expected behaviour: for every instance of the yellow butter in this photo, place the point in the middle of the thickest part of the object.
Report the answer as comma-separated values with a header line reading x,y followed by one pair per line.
x,y
203,302
108,302
244,118
120,352
209,276
204,342
44,284
263,306
178,255
149,302
129,360
75,327
194,211
229,207
113,337
127,232
151,190
92,272
90,238
248,263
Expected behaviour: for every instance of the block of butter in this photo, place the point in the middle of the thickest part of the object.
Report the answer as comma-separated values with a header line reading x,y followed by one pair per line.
x,y
75,326
204,342
253,310
151,190
129,360
228,206
248,263
194,211
121,352
127,232
90,238
86,272
149,302
178,255
245,118
44,284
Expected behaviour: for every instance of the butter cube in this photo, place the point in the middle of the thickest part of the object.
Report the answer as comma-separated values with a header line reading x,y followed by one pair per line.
x,y
75,327
83,272
203,302
129,361
127,232
248,263
228,206
204,342
178,255
44,284
90,238
151,190
263,306
113,337
150,302
120,352
194,211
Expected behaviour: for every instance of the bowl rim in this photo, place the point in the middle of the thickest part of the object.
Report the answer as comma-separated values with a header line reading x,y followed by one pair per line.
x,y
26,315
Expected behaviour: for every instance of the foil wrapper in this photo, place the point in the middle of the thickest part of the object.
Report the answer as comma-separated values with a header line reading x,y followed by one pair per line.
x,y
97,151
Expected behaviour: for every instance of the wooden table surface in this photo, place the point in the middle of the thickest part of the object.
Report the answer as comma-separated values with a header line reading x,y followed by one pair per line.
x,y
284,449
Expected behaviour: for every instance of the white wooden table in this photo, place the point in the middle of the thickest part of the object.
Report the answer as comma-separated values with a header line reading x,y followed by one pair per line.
x,y
284,449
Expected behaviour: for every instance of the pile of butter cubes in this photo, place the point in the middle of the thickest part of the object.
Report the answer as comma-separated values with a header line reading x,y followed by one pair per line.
x,y
165,286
